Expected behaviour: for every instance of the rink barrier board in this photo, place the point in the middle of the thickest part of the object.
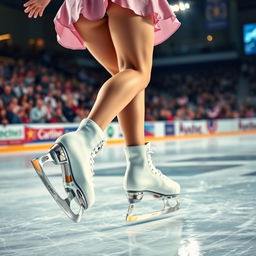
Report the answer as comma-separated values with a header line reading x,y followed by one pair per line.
x,y
31,147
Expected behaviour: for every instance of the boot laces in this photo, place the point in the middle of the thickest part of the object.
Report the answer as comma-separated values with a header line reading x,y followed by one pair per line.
x,y
151,165
93,154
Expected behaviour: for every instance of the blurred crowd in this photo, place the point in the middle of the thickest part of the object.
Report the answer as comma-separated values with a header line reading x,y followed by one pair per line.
x,y
201,94
31,92
34,93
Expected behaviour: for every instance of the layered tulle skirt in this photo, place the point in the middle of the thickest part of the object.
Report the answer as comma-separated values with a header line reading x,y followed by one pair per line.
x,y
164,19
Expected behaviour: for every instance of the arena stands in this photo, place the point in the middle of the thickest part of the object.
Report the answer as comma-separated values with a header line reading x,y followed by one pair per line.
x,y
36,92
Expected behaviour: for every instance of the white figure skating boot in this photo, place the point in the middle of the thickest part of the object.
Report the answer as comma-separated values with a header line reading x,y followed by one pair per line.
x,y
74,151
142,177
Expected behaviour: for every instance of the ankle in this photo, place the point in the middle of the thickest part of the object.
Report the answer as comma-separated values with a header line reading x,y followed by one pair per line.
x,y
94,127
100,123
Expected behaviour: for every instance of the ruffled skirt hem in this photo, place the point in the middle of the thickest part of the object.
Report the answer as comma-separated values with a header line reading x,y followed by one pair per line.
x,y
164,19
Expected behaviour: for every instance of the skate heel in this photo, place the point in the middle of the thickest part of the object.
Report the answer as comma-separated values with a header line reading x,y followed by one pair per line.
x,y
134,197
58,156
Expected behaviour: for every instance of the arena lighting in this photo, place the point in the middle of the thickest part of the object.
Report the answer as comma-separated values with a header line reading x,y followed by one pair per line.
x,y
40,42
187,5
181,6
5,37
209,38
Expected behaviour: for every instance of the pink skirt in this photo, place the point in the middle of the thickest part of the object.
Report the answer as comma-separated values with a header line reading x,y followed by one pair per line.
x,y
164,19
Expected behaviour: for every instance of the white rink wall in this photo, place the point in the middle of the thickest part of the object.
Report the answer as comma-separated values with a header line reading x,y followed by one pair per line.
x,y
45,133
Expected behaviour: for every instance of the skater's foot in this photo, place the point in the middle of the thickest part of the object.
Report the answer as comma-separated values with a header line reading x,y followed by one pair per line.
x,y
142,177
74,151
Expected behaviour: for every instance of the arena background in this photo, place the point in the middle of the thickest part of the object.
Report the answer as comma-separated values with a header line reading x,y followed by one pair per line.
x,y
200,108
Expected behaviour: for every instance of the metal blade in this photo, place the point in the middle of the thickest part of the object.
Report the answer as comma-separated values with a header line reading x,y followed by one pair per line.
x,y
63,203
167,209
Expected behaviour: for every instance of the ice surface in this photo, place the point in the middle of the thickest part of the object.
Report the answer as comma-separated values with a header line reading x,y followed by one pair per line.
x,y
217,216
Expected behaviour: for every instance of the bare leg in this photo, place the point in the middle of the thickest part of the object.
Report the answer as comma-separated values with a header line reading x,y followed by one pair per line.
x,y
132,117
131,120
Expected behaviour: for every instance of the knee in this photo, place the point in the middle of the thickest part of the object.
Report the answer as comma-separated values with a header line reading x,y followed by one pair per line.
x,y
143,76
140,67
146,76
140,71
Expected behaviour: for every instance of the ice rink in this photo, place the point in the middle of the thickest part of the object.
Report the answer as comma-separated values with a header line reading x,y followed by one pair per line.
x,y
217,215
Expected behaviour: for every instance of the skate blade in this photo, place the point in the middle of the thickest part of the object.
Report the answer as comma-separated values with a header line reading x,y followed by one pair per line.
x,y
167,209
73,192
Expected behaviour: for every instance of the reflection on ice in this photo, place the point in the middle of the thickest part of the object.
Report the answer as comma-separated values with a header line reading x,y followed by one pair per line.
x,y
189,247
155,237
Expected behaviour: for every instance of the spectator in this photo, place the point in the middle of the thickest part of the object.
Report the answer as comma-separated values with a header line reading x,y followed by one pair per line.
x,y
16,105
7,95
23,116
69,109
249,112
166,115
81,114
149,115
58,117
11,115
30,93
39,113
49,98
3,117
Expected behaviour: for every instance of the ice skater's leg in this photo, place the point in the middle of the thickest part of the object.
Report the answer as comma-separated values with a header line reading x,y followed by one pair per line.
x,y
133,38
97,39
75,151
136,174
131,118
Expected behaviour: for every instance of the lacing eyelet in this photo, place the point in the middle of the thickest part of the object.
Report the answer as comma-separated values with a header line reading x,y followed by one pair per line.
x,y
93,154
154,170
